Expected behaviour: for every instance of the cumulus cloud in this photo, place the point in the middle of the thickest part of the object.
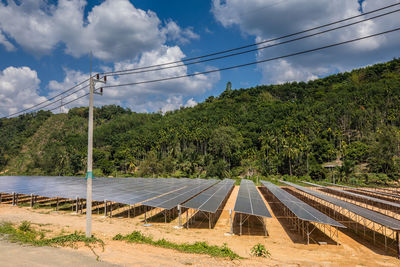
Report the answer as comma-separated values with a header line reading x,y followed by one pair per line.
x,y
113,30
150,97
190,103
176,33
18,89
266,19
117,32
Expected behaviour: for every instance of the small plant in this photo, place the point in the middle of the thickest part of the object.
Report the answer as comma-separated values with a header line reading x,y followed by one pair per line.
x,y
197,247
25,226
260,251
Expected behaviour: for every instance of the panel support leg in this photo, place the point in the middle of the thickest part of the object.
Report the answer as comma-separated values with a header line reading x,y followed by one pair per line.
x,y
179,214
240,224
398,244
230,220
187,218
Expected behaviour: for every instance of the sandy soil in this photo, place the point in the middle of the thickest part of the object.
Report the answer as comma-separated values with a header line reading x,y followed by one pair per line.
x,y
17,255
286,246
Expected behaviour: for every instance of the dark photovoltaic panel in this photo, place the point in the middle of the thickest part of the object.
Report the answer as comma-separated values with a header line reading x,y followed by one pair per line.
x,y
173,199
363,212
123,190
249,200
302,210
211,199
367,190
378,200
136,192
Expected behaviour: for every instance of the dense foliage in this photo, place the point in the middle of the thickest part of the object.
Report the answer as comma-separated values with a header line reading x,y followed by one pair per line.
x,y
289,129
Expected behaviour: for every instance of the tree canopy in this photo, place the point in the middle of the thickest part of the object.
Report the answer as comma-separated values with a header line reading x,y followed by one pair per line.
x,y
288,129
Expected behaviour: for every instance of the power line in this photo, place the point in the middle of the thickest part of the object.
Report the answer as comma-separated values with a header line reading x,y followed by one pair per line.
x,y
236,66
254,44
73,100
254,49
255,62
49,99
126,72
51,103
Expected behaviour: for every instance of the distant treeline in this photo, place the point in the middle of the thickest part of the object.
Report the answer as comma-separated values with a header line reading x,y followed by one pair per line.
x,y
350,119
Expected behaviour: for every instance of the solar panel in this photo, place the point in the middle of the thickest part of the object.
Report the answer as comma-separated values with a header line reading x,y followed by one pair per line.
x,y
378,200
122,190
363,212
302,210
367,190
211,199
173,199
249,200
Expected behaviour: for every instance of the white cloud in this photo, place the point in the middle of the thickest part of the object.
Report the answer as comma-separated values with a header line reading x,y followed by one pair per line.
x,y
113,30
190,103
175,33
172,103
150,97
266,19
282,71
18,89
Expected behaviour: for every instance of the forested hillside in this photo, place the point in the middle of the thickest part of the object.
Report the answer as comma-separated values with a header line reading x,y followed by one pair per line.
x,y
349,119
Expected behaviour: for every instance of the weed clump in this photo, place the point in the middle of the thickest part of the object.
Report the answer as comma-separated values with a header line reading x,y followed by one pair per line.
x,y
197,247
260,251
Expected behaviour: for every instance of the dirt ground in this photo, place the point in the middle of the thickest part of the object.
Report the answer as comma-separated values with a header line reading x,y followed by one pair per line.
x,y
287,248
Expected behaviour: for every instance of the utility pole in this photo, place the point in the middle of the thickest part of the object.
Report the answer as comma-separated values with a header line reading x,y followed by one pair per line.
x,y
89,175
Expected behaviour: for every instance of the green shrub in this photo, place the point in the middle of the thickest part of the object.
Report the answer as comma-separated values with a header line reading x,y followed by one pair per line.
x,y
260,251
197,247
25,227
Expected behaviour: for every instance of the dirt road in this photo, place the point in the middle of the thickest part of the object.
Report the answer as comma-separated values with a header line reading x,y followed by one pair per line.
x,y
17,255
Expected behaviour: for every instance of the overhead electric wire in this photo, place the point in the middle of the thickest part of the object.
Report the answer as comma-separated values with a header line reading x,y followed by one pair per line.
x,y
73,100
236,66
255,49
254,44
51,103
49,99
254,62
122,72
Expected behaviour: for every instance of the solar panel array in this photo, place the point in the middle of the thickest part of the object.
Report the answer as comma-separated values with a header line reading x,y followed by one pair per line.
x,y
363,212
367,190
302,210
378,200
212,198
172,199
122,190
249,200
66,187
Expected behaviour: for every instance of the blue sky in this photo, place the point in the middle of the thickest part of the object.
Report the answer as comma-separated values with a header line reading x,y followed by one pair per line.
x,y
44,46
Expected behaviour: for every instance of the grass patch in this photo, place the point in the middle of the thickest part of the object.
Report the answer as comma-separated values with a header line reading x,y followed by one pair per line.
x,y
25,234
66,206
197,247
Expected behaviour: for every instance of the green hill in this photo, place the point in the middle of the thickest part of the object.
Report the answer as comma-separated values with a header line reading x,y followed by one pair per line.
x,y
351,119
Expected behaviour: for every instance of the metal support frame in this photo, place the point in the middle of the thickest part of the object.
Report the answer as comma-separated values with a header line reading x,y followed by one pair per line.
x,y
303,226
366,203
370,226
